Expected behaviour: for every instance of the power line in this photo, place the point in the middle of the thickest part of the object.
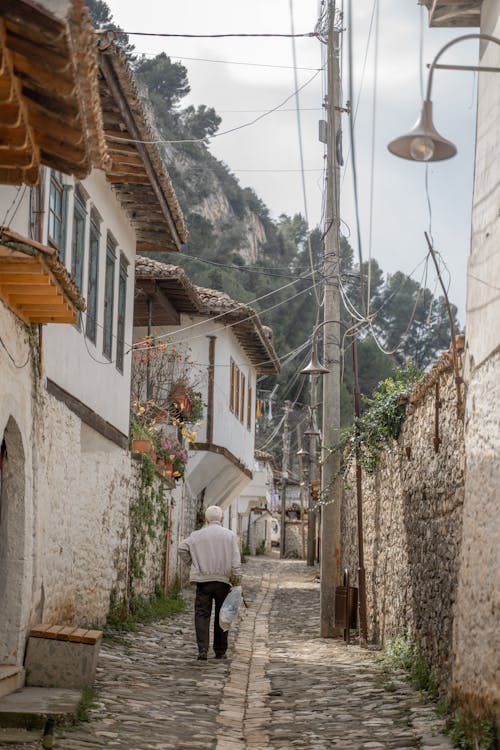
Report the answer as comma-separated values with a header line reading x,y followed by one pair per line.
x,y
228,62
120,32
301,152
238,305
268,112
372,159
353,157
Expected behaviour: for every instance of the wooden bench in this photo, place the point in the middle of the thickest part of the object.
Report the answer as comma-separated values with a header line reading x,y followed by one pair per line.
x,y
61,656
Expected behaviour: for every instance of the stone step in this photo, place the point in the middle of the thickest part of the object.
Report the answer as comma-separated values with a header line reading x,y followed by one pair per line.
x,y
31,707
11,678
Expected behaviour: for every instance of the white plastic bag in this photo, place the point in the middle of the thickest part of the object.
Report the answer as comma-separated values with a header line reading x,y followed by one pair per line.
x,y
230,607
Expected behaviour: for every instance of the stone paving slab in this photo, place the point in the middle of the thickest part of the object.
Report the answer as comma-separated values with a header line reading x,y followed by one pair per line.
x,y
282,688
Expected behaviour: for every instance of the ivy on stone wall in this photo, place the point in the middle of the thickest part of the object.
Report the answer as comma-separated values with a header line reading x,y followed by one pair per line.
x,y
148,519
379,425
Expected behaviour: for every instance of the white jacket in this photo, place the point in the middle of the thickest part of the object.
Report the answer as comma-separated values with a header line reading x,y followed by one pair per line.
x,y
213,552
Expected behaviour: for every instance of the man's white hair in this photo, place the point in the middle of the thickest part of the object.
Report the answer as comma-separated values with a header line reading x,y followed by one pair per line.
x,y
213,513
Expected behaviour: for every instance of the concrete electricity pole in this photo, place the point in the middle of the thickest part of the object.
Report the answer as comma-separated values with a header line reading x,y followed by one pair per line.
x,y
284,477
313,472
331,490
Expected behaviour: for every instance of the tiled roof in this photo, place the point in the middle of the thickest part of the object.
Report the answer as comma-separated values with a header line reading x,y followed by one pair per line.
x,y
255,338
49,108
137,171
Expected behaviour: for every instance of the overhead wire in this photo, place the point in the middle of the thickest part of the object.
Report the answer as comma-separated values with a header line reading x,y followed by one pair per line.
x,y
353,156
250,302
301,152
123,139
121,32
227,62
372,156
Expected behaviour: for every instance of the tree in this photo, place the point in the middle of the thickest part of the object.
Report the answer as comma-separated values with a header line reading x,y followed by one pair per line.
x,y
166,81
200,122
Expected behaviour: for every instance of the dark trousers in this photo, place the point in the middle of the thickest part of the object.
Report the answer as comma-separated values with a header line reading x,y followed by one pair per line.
x,y
206,593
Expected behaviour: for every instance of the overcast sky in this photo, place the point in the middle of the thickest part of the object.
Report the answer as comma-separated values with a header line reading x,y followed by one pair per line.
x,y
259,154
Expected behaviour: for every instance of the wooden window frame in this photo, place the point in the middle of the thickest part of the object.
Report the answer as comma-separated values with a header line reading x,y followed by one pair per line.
x,y
242,397
231,385
109,298
249,408
57,219
122,311
93,278
237,392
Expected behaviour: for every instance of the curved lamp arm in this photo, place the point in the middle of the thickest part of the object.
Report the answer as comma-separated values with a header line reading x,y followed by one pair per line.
x,y
447,46
315,367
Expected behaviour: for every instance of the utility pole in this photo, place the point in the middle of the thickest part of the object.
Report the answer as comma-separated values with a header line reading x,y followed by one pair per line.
x,y
331,490
363,623
284,477
313,472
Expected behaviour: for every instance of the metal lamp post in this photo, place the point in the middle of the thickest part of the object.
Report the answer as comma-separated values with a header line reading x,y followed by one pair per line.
x,y
423,142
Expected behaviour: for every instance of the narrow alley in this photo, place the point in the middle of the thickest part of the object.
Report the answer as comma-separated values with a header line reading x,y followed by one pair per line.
x,y
282,687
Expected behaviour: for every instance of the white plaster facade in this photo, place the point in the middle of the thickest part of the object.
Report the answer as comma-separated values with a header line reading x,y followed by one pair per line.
x,y
215,474
476,634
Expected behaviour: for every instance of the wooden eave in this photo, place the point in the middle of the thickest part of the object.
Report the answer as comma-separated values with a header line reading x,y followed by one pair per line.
x,y
169,298
252,339
49,104
34,284
136,170
454,13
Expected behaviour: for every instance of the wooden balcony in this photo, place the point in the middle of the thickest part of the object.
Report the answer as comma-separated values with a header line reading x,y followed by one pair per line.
x,y
453,13
34,284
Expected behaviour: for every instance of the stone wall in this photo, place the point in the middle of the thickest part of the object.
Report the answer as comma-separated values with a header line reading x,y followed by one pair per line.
x,y
412,514
295,539
476,684
99,530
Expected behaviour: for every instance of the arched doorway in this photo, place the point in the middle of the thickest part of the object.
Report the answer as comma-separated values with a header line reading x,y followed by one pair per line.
x,y
12,540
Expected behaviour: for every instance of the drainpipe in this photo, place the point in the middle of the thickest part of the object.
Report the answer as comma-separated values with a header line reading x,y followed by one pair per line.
x,y
210,394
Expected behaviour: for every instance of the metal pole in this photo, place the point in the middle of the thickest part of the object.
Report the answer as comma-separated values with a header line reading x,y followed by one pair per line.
x,y
313,473
148,365
284,478
304,487
363,623
331,488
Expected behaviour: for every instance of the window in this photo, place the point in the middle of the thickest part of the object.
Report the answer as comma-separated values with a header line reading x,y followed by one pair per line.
x,y
58,202
249,409
78,242
242,397
122,300
237,392
109,291
93,276
231,386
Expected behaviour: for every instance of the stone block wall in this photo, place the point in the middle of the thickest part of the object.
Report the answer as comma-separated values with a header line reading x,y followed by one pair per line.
x,y
476,669
412,514
295,539
98,532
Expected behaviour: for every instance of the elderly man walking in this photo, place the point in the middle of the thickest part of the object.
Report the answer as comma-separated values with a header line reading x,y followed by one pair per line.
x,y
215,559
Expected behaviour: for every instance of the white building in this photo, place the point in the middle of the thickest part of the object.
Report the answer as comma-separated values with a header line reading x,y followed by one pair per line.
x,y
78,201
476,635
249,515
229,348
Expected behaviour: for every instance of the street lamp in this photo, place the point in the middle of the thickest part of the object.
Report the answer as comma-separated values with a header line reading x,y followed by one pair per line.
x,y
423,142
314,367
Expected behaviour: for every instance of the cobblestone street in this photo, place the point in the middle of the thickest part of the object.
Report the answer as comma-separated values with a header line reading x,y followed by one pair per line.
x,y
282,687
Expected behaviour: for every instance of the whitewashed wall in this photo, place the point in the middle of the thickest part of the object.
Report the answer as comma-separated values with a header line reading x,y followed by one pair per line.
x,y
228,430
476,633
17,510
97,383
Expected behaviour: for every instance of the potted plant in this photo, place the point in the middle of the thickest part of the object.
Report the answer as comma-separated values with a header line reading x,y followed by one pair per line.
x,y
179,397
175,455
142,436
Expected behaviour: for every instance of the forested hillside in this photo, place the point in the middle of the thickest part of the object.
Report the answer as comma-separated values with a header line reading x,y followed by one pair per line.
x,y
236,245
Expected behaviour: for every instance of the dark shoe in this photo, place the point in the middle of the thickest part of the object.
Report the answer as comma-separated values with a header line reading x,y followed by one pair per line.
x,y
202,656
220,656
